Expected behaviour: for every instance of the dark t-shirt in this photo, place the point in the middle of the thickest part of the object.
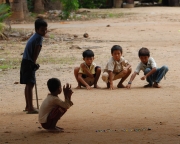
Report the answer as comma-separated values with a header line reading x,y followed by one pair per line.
x,y
35,40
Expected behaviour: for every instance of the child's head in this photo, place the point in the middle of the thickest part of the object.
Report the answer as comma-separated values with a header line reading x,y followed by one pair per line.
x,y
54,86
116,52
88,56
144,55
41,27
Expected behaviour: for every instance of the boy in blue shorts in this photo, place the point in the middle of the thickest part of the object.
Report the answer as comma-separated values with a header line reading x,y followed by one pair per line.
x,y
29,65
88,73
152,73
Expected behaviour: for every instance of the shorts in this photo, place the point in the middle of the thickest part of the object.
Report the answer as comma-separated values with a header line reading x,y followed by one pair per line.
x,y
53,117
27,72
88,80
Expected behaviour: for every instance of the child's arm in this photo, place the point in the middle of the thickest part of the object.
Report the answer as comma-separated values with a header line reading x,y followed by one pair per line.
x,y
111,80
148,74
131,79
83,82
86,70
36,51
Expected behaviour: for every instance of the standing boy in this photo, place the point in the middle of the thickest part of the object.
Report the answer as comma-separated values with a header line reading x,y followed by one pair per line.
x,y
152,74
88,73
53,108
29,65
116,68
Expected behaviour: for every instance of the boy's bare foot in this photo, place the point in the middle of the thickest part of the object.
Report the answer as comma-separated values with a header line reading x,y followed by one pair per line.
x,y
55,130
147,86
155,85
32,111
59,128
96,86
120,86
78,87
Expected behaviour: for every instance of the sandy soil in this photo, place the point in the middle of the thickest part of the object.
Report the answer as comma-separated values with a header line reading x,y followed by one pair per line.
x,y
120,110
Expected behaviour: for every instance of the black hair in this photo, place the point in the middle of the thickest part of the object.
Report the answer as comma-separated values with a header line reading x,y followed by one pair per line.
x,y
88,53
53,84
40,23
116,47
144,52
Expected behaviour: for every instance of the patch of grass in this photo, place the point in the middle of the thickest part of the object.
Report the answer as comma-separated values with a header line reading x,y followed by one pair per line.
x,y
4,67
54,60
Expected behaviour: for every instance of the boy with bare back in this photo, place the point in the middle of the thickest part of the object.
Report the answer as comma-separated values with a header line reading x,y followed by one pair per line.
x,y
88,73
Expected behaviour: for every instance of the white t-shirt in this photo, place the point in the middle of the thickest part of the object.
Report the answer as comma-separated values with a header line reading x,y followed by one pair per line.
x,y
49,103
150,64
115,66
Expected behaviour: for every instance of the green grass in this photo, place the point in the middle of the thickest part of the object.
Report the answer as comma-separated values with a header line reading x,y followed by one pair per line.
x,y
4,67
53,60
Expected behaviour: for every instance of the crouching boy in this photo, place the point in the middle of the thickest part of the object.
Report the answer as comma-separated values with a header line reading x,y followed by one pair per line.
x,y
88,73
116,68
152,73
53,108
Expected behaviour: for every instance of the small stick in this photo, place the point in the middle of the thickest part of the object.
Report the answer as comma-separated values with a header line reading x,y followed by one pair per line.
x,y
36,94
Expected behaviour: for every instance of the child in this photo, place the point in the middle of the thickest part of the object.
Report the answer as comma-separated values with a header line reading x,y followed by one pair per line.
x,y
152,74
53,108
88,73
29,65
116,68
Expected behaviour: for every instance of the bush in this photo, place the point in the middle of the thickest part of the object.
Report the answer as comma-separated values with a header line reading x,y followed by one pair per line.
x,y
4,12
68,7
91,3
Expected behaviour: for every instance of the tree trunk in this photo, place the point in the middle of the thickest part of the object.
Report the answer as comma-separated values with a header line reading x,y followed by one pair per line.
x,y
19,9
38,6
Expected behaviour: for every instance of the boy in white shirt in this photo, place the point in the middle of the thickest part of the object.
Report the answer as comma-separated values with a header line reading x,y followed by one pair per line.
x,y
152,74
116,68
53,108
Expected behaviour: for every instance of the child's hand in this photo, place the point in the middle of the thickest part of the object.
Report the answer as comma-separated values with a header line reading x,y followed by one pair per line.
x,y
125,70
143,78
88,87
128,86
111,87
67,91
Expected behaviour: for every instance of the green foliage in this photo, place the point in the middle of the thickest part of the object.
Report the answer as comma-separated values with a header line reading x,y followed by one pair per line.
x,y
69,6
30,5
91,3
2,26
4,12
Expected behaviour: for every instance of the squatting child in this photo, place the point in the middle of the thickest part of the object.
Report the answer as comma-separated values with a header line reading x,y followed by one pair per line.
x,y
116,68
53,108
29,65
88,73
152,73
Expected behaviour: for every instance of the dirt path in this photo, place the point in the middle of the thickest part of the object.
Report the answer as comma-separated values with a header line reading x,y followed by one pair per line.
x,y
128,116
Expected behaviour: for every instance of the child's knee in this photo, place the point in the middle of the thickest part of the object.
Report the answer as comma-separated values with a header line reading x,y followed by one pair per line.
x,y
165,68
76,69
147,70
105,77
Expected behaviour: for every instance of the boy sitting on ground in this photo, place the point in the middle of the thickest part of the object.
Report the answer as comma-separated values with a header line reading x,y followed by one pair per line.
x,y
152,74
88,73
53,108
116,68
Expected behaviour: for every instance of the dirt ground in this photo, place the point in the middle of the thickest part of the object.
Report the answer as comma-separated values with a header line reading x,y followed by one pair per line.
x,y
101,116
